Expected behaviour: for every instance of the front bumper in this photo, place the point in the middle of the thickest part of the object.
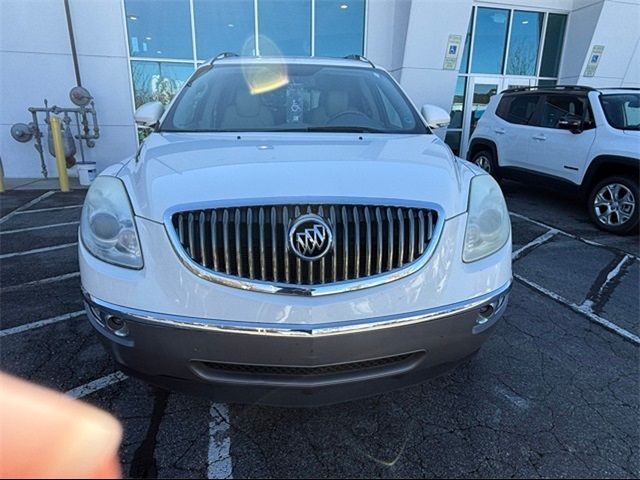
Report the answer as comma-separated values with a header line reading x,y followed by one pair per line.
x,y
295,365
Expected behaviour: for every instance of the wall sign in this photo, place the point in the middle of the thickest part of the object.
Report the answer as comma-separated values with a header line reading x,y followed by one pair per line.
x,y
453,50
594,60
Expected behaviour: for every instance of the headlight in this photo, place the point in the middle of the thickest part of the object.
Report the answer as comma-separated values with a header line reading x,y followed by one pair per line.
x,y
107,228
488,223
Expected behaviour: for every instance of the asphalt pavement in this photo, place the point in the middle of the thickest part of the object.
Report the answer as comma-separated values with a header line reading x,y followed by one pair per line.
x,y
554,393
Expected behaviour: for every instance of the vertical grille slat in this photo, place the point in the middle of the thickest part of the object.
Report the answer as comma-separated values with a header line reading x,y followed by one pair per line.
x,y
225,241
252,242
400,238
263,261
237,224
412,235
368,252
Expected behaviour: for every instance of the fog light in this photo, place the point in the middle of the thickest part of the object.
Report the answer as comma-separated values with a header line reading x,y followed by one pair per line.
x,y
117,325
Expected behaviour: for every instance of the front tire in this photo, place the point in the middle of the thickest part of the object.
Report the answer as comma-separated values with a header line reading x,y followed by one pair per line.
x,y
613,204
486,161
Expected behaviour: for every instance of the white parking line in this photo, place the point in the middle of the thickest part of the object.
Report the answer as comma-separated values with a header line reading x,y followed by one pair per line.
x,y
545,237
57,278
40,227
49,209
583,309
615,271
218,458
95,385
38,250
576,237
25,206
40,323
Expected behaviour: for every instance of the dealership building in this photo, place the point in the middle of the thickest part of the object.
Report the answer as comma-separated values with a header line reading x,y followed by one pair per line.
x,y
451,53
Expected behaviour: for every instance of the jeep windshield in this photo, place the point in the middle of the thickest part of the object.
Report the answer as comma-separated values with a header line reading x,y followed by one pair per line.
x,y
280,97
622,110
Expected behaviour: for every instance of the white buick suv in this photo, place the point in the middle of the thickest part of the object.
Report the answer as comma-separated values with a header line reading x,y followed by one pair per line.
x,y
580,140
292,233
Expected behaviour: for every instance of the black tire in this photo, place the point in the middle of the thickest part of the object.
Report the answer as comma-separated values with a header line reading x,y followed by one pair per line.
x,y
486,161
612,215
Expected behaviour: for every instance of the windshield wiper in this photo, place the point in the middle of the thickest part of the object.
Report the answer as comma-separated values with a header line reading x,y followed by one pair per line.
x,y
344,129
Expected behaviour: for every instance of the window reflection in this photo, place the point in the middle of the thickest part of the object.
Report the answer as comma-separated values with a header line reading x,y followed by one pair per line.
x,y
159,29
224,26
287,24
489,40
158,80
457,108
554,37
339,27
464,63
524,43
453,140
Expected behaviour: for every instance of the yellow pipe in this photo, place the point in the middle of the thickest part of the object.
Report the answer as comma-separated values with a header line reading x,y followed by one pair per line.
x,y
63,178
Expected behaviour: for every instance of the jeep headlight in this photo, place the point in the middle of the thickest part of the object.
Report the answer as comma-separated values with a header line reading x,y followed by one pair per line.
x,y
488,224
107,228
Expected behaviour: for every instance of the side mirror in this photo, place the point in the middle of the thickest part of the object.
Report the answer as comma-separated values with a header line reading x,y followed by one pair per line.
x,y
435,116
573,124
149,114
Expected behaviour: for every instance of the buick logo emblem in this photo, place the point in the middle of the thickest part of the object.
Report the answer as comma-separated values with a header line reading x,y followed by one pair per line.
x,y
310,237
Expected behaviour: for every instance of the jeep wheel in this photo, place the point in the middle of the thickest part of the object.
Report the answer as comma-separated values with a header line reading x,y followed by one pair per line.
x,y
484,159
613,204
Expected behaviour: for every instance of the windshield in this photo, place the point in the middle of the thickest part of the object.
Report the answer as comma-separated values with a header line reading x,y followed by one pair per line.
x,y
277,97
622,110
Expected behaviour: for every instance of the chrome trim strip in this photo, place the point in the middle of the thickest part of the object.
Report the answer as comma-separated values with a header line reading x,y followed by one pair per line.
x,y
338,286
301,330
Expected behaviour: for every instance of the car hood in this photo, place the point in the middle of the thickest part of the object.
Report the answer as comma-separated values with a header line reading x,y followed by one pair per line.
x,y
179,169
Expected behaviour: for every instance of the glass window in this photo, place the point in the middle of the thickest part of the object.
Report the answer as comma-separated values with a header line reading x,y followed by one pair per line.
x,y
547,83
158,80
557,107
298,98
489,40
482,93
554,37
464,63
457,108
224,26
518,109
339,27
286,26
159,29
524,43
453,140
622,110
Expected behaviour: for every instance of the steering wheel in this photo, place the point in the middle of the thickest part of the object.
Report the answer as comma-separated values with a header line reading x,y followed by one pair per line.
x,y
347,112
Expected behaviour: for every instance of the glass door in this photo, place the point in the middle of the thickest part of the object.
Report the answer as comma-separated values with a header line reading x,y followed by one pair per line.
x,y
480,89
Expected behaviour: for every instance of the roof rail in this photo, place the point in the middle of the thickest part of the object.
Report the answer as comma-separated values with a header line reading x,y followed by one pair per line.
x,y
360,58
619,88
222,55
580,88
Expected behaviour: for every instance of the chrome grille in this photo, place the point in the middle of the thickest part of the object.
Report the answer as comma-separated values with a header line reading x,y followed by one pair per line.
x,y
251,242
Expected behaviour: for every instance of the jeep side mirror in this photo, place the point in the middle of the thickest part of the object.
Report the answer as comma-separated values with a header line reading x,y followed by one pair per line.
x,y
435,116
149,114
574,125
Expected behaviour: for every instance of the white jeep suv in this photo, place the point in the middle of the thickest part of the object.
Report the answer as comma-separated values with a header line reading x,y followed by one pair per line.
x,y
291,233
577,139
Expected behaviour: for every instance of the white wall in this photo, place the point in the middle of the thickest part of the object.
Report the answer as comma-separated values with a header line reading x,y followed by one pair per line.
x,y
36,63
615,24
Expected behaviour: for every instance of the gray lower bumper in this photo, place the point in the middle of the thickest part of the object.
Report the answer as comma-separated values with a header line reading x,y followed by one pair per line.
x,y
231,362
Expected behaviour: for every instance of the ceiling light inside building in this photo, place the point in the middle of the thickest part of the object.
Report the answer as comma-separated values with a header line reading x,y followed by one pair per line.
x,y
525,22
230,25
147,38
344,6
132,17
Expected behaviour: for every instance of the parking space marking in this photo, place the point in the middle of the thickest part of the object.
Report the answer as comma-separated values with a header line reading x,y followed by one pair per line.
x,y
40,323
95,385
38,250
48,209
218,458
57,278
584,309
40,227
536,242
571,235
26,205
